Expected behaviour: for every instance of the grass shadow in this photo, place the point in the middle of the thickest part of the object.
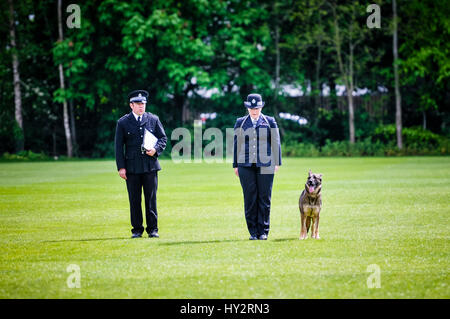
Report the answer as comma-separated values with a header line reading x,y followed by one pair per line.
x,y
156,240
173,243
193,242
285,239
86,239
217,241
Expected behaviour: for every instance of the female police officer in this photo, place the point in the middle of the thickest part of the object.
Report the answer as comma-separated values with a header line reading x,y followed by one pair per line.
x,y
257,155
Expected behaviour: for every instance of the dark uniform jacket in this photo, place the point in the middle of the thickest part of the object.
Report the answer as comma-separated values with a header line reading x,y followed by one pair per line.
x,y
128,141
259,145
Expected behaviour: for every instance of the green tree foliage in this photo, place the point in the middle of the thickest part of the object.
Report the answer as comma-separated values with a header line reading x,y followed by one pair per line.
x,y
198,56
425,31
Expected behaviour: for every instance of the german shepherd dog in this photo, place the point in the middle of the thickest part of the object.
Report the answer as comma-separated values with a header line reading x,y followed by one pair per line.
x,y
310,204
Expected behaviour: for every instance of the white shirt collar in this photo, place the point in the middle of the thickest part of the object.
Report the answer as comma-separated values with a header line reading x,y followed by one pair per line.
x,y
136,116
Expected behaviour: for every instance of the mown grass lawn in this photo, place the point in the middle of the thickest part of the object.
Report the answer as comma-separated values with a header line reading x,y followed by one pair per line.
x,y
389,212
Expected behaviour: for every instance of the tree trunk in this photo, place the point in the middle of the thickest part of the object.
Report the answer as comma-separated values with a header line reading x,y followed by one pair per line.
x,y
333,96
277,71
185,110
351,117
317,86
424,116
54,141
62,86
351,109
277,61
398,105
19,137
346,74
73,131
73,128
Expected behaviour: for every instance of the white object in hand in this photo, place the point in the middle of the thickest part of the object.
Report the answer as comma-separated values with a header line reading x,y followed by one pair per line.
x,y
149,140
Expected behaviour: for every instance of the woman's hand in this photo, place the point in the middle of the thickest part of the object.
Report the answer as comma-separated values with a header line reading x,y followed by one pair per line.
x,y
277,168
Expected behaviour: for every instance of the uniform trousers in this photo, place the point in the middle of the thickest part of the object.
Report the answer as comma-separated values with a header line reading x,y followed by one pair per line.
x,y
257,189
149,183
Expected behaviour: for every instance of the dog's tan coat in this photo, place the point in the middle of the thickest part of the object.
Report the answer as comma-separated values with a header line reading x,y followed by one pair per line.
x,y
310,205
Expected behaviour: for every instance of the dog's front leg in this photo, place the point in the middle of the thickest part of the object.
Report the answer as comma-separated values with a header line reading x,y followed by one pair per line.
x,y
313,226
316,227
303,226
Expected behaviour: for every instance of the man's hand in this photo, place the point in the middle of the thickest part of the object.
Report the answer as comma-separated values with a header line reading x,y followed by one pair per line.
x,y
151,152
236,171
123,173
277,168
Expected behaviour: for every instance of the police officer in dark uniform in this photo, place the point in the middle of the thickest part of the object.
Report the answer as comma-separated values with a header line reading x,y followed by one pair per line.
x,y
257,156
138,166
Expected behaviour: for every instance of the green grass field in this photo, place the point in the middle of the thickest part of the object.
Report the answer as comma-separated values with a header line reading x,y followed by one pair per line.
x,y
389,212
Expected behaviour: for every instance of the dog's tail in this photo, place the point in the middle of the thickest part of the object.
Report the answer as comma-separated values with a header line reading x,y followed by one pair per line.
x,y
308,223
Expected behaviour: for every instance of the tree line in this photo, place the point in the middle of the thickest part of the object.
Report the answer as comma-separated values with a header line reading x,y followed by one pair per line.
x,y
353,69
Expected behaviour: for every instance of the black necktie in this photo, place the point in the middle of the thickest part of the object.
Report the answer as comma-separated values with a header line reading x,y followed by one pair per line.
x,y
139,120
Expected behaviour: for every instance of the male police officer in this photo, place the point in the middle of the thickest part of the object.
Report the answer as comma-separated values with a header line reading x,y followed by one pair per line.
x,y
138,166
257,156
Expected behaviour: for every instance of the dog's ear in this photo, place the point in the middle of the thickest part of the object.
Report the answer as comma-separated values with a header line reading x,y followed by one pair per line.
x,y
319,175
310,173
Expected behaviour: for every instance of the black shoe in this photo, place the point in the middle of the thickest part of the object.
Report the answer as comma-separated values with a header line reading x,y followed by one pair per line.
x,y
153,234
136,235
253,237
263,237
